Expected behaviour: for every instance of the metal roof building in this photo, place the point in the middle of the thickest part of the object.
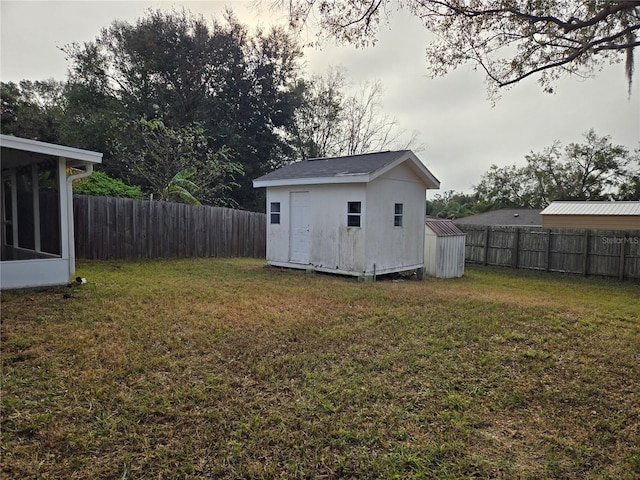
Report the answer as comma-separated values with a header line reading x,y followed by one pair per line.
x,y
592,215
593,208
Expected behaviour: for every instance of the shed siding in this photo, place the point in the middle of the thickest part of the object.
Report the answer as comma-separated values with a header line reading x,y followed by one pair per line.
x,y
376,247
278,234
390,248
451,257
444,255
592,222
430,253
333,245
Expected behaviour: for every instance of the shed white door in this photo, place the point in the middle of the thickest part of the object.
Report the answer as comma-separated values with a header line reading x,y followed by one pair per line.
x,y
299,232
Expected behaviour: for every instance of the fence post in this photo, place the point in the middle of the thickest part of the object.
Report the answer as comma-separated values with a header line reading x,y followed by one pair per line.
x,y
585,253
623,245
514,254
486,245
547,252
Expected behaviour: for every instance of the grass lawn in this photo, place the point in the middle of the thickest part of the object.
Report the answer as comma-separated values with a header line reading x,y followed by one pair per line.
x,y
223,368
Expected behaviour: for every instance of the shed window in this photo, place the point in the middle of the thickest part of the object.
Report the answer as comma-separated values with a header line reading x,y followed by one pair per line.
x,y
397,215
275,213
354,209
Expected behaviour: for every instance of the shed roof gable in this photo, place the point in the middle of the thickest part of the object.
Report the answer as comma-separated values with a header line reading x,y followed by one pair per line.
x,y
361,168
443,228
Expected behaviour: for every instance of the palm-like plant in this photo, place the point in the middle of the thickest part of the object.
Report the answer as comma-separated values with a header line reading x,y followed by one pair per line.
x,y
180,186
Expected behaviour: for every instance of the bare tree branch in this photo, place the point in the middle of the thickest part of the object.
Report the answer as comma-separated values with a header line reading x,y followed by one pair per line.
x,y
509,40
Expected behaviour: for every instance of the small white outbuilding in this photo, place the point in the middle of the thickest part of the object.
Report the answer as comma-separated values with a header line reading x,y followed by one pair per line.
x,y
443,249
360,215
37,210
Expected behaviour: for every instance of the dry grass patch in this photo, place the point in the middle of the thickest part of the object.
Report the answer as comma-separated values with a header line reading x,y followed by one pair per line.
x,y
227,369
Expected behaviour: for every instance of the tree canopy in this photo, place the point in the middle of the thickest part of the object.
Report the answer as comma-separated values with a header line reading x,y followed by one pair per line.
x,y
194,110
239,88
508,39
178,163
33,109
593,170
452,205
332,122
175,101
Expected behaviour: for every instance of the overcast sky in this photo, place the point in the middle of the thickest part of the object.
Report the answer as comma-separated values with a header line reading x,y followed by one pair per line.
x,y
462,134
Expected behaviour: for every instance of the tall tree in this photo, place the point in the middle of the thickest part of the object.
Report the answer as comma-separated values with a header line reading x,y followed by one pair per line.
x,y
597,168
367,127
630,189
178,163
317,124
507,187
593,170
33,109
335,121
452,205
508,39
179,68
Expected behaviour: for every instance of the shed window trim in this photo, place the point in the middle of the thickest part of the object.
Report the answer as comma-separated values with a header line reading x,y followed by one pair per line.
x,y
398,211
354,213
275,213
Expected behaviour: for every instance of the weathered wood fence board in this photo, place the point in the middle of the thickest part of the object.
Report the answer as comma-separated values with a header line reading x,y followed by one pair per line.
x,y
585,252
123,228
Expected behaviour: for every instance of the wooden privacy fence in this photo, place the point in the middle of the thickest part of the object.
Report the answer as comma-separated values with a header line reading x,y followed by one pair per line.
x,y
123,228
585,252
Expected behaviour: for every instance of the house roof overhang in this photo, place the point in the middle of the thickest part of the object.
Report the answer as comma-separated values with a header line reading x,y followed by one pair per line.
x,y
24,150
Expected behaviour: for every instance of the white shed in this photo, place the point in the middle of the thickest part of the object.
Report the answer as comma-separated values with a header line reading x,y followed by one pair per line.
x,y
443,249
360,215
37,210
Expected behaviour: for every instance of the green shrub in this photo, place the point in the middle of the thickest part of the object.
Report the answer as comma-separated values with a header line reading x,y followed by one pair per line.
x,y
102,185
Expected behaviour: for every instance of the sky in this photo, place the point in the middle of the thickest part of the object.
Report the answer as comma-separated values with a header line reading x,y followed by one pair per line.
x,y
460,132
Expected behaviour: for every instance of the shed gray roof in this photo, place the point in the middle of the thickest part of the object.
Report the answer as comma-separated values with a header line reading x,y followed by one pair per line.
x,y
442,227
348,169
505,217
592,208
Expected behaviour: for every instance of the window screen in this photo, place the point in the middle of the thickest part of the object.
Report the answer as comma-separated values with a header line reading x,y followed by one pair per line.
x,y
354,210
275,213
397,215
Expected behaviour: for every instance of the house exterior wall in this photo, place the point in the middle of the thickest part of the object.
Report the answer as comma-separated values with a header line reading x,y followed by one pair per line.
x,y
592,222
34,273
41,272
376,247
45,254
